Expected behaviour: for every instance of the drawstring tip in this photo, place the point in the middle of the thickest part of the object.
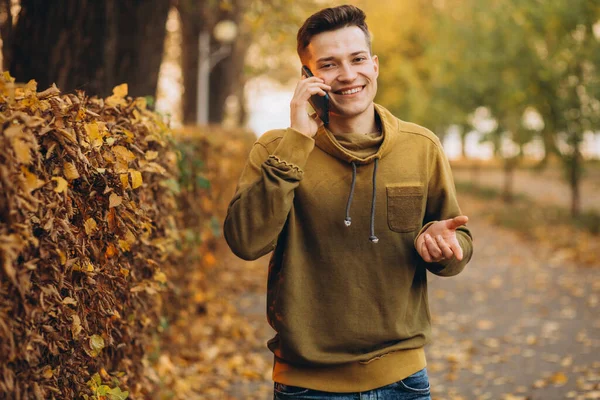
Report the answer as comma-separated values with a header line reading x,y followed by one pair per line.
x,y
374,239
347,221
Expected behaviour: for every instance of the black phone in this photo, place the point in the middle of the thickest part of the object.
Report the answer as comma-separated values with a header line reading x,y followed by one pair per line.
x,y
319,103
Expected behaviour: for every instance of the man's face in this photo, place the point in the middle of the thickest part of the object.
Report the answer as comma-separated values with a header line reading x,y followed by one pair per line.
x,y
343,60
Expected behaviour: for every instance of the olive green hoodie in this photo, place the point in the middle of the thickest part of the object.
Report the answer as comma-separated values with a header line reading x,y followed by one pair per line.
x,y
346,285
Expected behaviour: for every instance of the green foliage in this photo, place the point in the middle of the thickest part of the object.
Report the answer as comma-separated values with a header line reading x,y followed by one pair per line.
x,y
102,391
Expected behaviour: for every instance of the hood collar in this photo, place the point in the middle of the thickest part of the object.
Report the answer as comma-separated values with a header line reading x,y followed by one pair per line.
x,y
327,142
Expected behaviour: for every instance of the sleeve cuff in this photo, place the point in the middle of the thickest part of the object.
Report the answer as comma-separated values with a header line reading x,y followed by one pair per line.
x,y
294,148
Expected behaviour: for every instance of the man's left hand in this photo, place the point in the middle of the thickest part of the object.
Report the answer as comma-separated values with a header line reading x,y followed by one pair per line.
x,y
439,241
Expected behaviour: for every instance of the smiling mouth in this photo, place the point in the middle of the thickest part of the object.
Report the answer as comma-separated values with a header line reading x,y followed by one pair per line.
x,y
350,91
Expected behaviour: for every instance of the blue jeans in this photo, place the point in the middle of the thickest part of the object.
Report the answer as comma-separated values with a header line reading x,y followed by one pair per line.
x,y
415,387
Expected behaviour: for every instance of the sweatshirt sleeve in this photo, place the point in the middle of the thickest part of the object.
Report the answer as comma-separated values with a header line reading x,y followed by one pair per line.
x,y
442,204
265,194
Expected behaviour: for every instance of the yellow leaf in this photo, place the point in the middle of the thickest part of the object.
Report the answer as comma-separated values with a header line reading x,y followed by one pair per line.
x,y
47,372
80,114
130,237
136,116
114,200
61,184
124,271
559,379
104,374
118,97
76,326
69,300
124,245
62,255
120,90
90,226
96,345
136,178
123,154
141,103
93,131
151,155
160,277
130,136
22,151
32,182
124,180
70,171
209,259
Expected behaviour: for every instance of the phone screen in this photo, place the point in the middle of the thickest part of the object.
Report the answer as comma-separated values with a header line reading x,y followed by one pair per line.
x,y
319,103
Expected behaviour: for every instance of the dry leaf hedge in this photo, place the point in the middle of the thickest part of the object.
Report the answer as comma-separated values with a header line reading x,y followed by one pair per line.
x,y
88,235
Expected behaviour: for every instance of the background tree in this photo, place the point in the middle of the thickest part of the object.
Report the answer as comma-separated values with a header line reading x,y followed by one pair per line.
x,y
90,45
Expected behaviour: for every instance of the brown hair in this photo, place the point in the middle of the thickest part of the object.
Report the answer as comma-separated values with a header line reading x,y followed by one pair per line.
x,y
330,19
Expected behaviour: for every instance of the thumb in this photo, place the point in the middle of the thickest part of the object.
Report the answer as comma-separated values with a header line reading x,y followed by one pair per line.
x,y
455,222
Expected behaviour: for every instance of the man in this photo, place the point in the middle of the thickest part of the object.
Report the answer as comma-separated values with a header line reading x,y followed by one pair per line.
x,y
355,213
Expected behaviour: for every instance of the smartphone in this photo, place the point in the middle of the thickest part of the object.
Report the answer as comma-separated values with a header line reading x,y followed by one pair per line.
x,y
319,103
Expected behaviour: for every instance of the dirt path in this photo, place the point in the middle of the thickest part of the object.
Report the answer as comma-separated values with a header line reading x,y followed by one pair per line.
x,y
518,323
548,186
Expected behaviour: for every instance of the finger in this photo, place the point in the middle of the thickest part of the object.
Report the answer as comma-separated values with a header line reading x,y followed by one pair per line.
x,y
432,247
456,249
455,222
445,247
424,253
312,90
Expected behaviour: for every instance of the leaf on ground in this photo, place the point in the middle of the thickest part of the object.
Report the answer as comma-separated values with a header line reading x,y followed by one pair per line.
x,y
61,184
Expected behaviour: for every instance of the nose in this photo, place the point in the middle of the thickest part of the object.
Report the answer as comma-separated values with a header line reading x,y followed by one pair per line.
x,y
347,73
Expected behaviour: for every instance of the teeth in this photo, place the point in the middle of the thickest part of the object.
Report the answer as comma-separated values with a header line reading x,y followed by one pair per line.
x,y
352,91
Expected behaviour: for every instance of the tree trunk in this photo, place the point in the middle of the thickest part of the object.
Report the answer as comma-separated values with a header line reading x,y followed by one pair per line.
x,y
225,76
141,30
575,169
90,45
6,30
190,29
463,142
509,177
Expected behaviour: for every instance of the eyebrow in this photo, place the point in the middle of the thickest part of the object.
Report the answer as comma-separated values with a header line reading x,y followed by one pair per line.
x,y
323,59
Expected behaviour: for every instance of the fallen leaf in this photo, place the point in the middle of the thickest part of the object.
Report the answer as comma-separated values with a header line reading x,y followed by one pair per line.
x,y
70,171
90,226
61,184
136,178
114,200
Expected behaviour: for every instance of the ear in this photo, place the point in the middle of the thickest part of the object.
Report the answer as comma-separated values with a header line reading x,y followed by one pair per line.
x,y
376,65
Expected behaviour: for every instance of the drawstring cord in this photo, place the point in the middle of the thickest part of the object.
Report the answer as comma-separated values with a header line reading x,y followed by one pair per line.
x,y
348,220
374,238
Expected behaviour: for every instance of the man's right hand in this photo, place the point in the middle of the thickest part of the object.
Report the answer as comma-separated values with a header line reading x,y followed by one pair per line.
x,y
299,118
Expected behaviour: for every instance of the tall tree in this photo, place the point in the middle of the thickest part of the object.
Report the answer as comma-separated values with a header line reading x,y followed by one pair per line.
x,y
196,17
87,44
267,27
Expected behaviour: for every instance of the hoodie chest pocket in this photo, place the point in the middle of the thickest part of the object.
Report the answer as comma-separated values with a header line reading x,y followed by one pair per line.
x,y
404,204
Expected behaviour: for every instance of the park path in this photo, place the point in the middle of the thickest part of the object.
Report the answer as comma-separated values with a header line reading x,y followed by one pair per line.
x,y
519,323
547,186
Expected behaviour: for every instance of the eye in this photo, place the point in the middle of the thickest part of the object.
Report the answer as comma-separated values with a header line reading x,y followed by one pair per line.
x,y
360,59
326,66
